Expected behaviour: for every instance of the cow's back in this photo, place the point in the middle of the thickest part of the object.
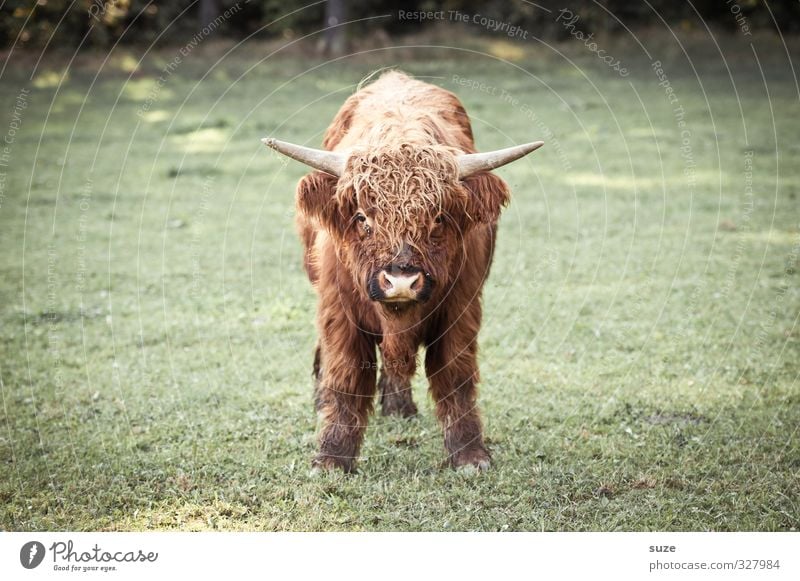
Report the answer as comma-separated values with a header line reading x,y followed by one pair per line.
x,y
396,103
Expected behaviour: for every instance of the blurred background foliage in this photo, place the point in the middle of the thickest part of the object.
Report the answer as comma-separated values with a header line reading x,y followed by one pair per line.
x,y
101,23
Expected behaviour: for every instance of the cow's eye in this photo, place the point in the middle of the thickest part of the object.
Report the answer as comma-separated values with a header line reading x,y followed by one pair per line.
x,y
365,225
438,219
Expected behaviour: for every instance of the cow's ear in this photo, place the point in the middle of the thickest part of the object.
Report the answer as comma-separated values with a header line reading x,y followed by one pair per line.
x,y
487,195
316,197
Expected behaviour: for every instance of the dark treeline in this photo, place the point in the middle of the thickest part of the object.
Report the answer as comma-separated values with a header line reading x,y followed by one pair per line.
x,y
100,23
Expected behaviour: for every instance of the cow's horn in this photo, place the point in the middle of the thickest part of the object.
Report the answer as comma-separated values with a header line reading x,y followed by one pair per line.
x,y
328,161
472,163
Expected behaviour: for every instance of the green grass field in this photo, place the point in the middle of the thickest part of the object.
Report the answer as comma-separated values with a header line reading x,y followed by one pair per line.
x,y
639,353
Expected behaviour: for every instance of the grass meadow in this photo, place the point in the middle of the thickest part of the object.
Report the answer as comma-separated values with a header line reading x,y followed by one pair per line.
x,y
639,353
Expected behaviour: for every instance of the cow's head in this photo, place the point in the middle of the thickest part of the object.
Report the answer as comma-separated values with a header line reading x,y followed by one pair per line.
x,y
399,214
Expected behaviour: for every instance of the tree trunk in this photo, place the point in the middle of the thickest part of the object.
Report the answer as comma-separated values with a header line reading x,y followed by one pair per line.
x,y
333,39
209,10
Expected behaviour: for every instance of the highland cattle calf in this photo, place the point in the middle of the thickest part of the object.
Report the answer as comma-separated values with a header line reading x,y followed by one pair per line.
x,y
398,223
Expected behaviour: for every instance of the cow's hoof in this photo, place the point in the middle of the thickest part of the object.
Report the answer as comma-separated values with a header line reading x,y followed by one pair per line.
x,y
404,408
329,463
471,460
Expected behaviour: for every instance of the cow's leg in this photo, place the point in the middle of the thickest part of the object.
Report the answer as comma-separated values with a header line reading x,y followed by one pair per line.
x,y
397,368
317,375
345,393
452,369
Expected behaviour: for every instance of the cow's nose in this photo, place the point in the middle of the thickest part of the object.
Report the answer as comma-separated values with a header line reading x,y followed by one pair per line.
x,y
400,287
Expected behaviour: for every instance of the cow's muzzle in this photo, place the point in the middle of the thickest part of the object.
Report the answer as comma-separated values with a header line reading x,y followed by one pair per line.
x,y
400,285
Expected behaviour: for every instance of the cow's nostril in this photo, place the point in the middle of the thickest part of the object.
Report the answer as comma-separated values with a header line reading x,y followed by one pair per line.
x,y
384,281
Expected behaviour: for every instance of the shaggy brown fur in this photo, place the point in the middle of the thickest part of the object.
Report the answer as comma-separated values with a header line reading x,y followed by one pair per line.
x,y
399,202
